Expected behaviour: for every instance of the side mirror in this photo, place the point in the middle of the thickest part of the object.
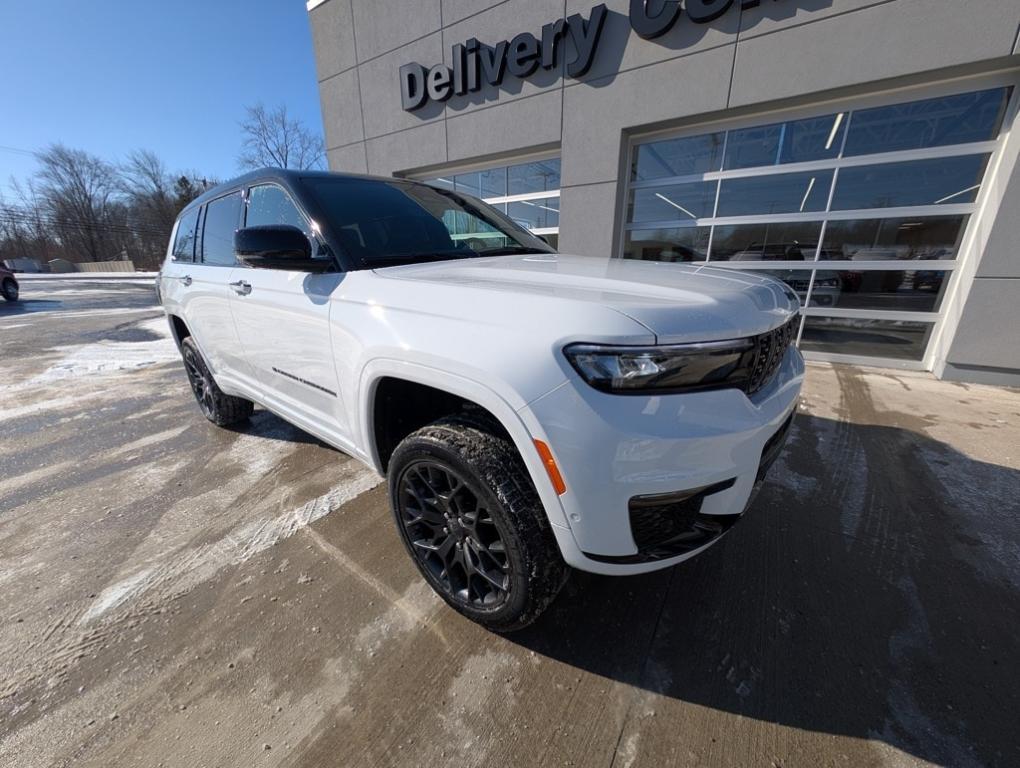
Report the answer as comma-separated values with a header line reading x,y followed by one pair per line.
x,y
277,247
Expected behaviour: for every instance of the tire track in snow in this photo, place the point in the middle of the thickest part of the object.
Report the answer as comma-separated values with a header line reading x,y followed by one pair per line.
x,y
147,588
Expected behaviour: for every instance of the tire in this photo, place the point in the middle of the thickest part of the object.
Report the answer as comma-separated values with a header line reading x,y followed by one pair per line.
x,y
470,518
9,289
221,409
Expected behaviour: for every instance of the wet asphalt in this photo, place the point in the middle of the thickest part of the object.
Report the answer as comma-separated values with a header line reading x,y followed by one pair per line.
x,y
176,594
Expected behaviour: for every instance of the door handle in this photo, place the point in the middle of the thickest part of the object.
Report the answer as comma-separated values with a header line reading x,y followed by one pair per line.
x,y
241,287
186,280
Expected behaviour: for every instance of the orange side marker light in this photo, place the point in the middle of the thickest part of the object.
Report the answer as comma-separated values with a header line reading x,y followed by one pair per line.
x,y
551,468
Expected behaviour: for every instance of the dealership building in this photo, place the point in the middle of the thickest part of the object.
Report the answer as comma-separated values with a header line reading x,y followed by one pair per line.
x,y
863,151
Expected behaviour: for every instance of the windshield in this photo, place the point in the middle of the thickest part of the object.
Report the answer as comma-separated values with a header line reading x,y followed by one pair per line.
x,y
384,223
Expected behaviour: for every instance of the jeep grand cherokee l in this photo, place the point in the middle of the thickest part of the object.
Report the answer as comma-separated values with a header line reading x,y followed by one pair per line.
x,y
530,410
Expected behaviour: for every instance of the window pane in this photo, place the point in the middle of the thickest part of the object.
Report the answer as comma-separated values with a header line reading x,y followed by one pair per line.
x,y
781,193
919,237
899,290
268,204
535,214
678,201
681,244
221,219
796,241
543,176
931,123
678,157
942,181
797,141
491,183
184,242
896,339
797,279
444,182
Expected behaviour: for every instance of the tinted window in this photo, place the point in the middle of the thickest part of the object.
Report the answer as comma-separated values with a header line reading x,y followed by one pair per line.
x,y
677,201
781,193
797,141
221,219
268,204
680,244
939,122
535,214
900,239
942,181
381,223
776,241
184,242
678,157
491,183
533,177
898,339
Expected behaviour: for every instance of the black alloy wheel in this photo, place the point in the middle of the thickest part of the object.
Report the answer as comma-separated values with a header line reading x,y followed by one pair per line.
x,y
453,535
200,380
471,520
217,406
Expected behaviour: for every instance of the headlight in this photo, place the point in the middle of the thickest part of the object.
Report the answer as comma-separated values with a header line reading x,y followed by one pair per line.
x,y
665,369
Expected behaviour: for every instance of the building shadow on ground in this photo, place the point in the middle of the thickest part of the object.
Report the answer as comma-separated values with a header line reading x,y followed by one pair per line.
x,y
871,591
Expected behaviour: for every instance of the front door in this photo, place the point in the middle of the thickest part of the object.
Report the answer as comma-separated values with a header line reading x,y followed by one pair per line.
x,y
282,318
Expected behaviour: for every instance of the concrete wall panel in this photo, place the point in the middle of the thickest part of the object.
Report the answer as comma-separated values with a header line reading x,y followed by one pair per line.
x,y
586,219
349,159
380,88
879,42
333,37
341,109
406,150
517,125
381,26
987,334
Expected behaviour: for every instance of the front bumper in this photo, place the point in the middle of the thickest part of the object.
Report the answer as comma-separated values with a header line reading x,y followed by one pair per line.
x,y
701,452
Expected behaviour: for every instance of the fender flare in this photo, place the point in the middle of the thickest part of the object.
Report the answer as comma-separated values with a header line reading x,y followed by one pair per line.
x,y
486,397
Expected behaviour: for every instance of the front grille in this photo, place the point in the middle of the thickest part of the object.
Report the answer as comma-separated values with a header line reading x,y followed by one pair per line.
x,y
769,349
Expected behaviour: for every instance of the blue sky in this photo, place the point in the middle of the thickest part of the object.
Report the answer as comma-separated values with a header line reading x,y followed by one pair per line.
x,y
109,76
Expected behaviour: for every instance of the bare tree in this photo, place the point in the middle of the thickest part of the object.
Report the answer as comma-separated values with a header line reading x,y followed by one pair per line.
x,y
77,191
271,138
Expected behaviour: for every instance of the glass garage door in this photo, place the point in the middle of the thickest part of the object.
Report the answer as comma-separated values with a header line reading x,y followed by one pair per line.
x,y
529,193
862,212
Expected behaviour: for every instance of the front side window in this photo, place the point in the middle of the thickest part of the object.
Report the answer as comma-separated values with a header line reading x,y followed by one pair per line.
x,y
184,242
221,219
383,223
270,205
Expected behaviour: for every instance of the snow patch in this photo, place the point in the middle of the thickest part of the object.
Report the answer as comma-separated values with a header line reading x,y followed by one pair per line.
x,y
105,357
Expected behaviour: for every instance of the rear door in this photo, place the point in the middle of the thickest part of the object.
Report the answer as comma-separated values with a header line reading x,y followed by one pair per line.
x,y
283,321
207,293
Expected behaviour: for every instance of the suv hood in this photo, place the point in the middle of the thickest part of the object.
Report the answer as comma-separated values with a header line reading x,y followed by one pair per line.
x,y
676,302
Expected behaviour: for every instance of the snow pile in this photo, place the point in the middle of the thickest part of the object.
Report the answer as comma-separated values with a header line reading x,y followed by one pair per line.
x,y
106,357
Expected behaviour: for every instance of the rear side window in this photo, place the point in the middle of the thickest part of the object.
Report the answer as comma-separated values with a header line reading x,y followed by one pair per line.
x,y
221,218
268,204
184,243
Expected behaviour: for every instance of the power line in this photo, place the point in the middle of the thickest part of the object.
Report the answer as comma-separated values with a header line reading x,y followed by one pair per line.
x,y
17,150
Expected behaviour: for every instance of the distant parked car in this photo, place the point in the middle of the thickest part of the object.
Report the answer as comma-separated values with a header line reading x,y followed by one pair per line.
x,y
8,284
28,266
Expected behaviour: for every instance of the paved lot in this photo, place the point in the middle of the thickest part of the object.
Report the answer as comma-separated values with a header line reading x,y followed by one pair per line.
x,y
175,594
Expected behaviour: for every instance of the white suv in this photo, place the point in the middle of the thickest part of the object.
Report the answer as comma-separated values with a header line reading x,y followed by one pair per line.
x,y
531,410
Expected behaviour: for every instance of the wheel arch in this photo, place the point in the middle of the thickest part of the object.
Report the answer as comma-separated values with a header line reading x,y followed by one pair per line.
x,y
378,382
178,328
